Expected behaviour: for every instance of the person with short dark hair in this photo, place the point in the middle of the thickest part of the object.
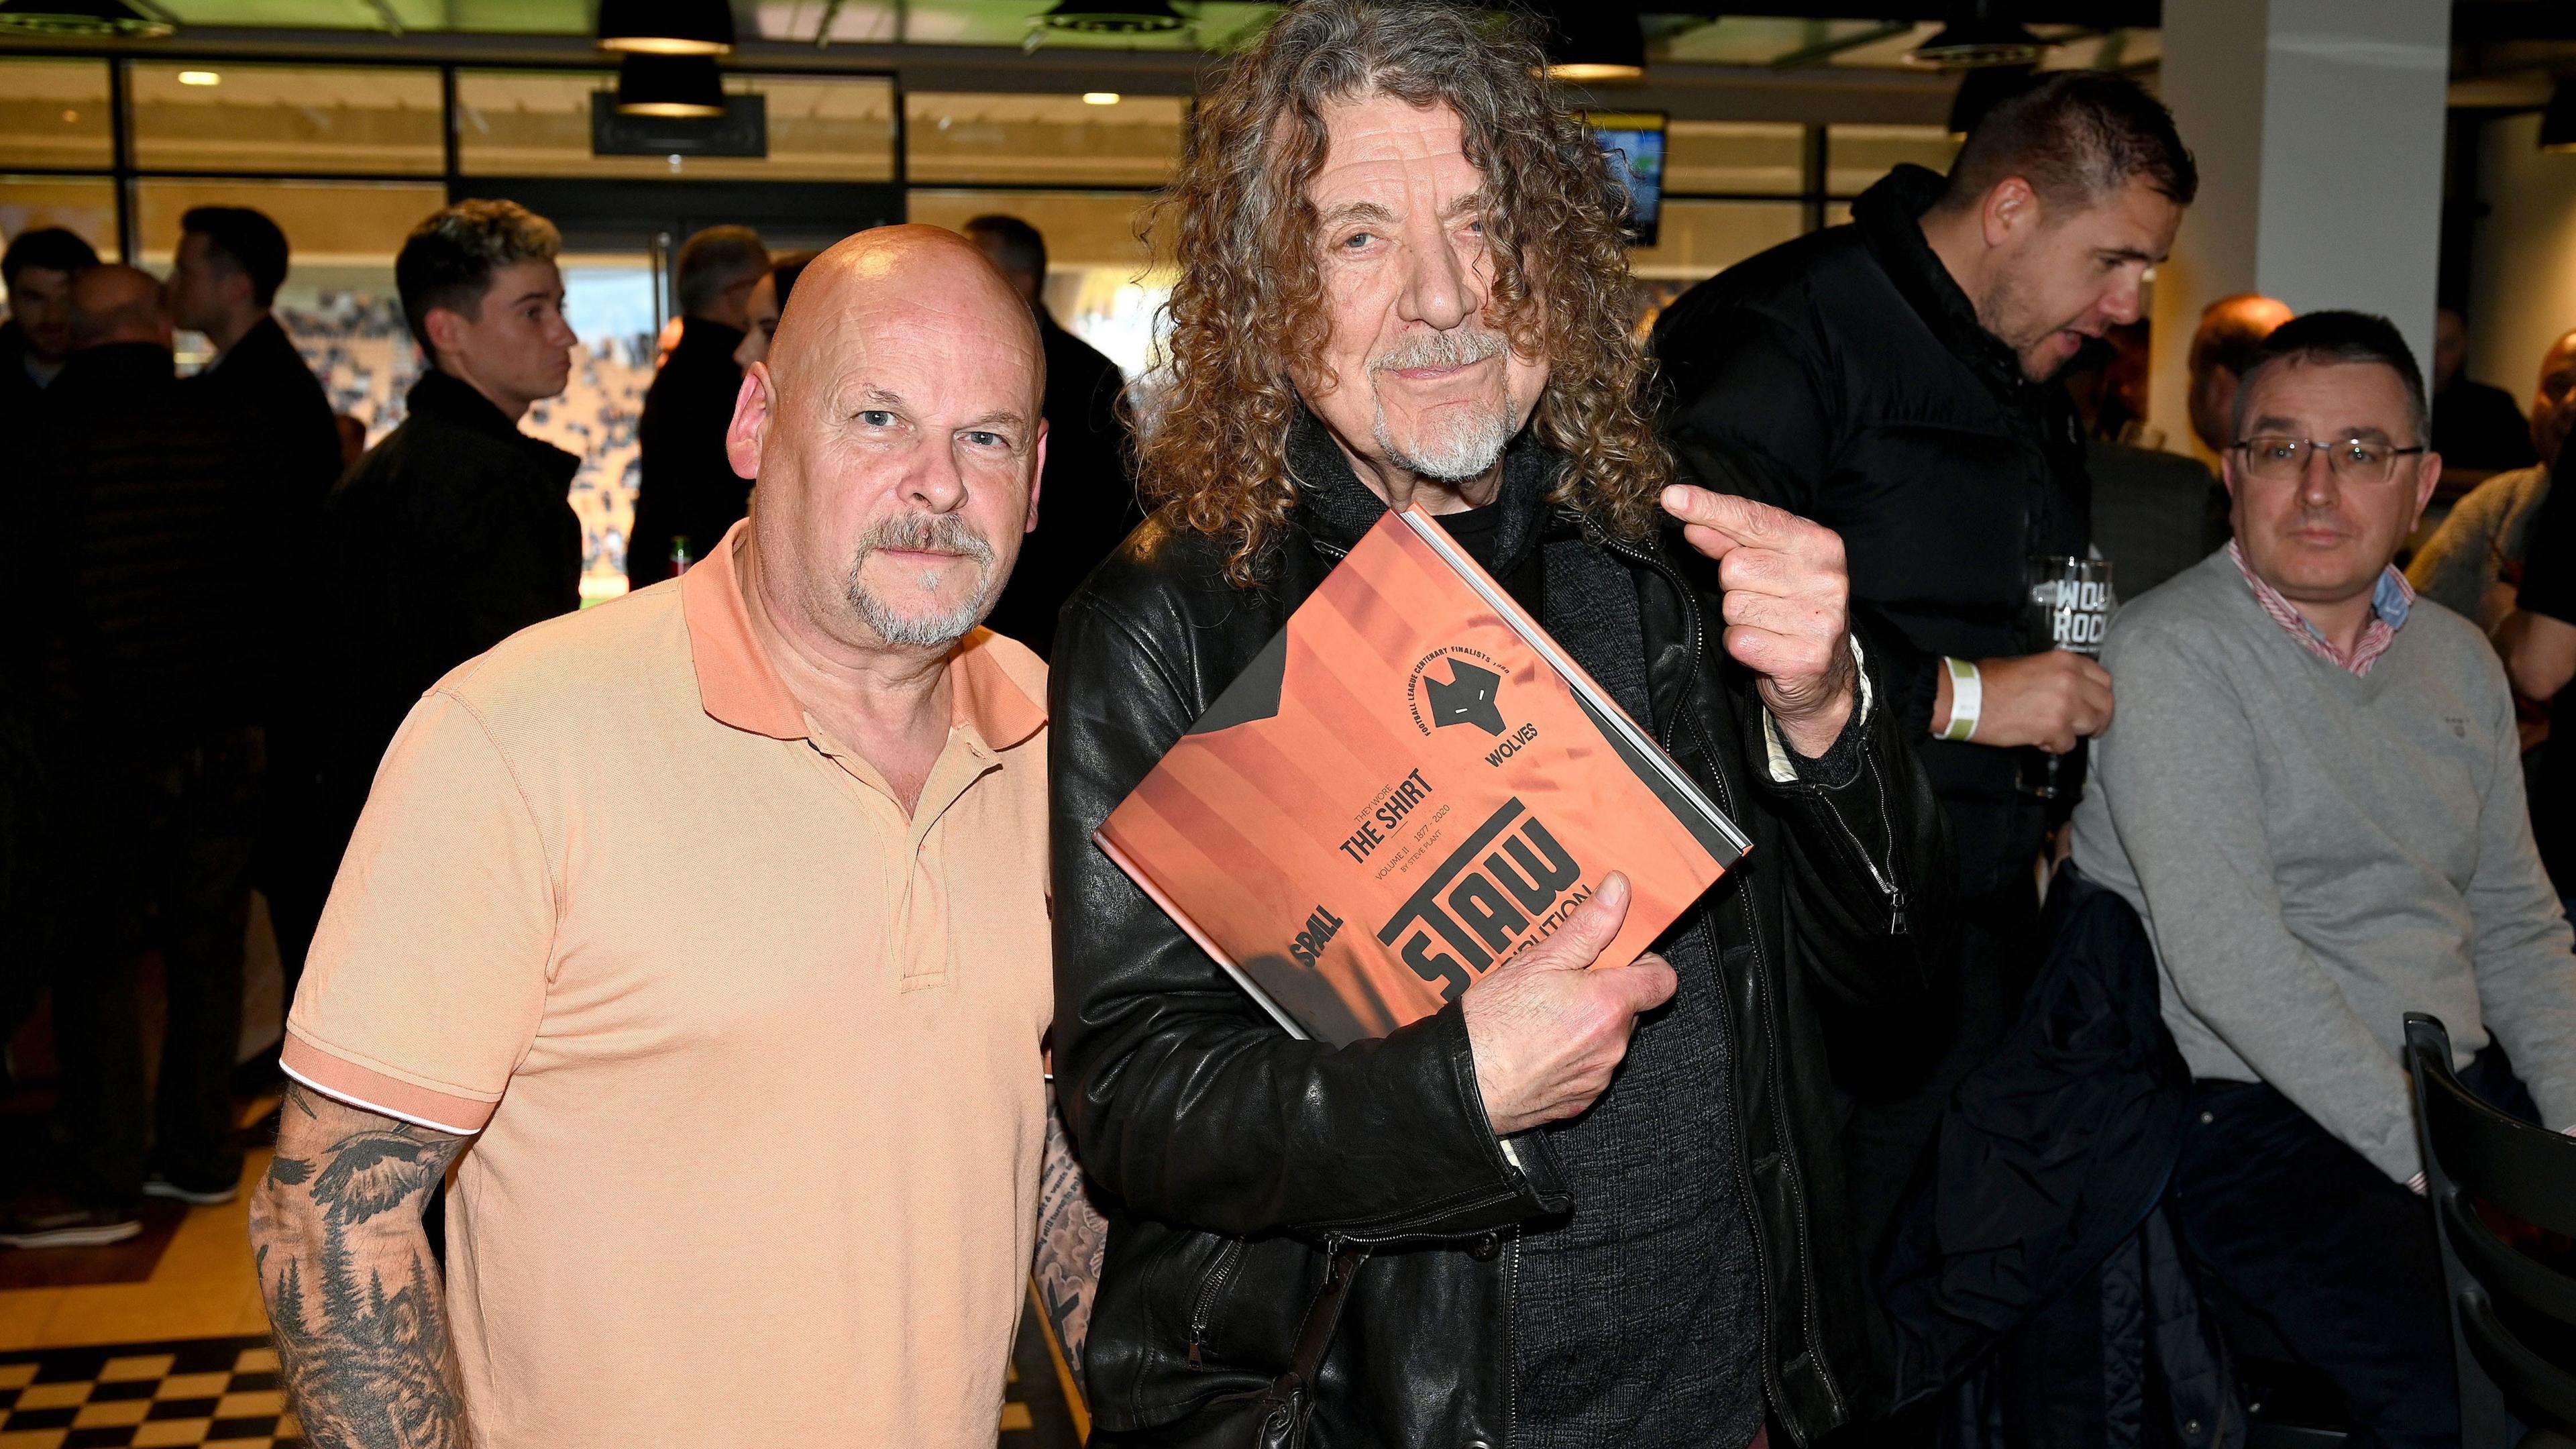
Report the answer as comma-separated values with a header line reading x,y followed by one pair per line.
x,y
37,270
2473,563
155,547
2314,801
2231,330
224,277
2476,426
768,303
687,493
1896,380
1091,496
456,531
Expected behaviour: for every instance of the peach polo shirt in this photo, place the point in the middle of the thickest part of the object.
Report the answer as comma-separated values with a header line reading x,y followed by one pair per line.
x,y
750,1055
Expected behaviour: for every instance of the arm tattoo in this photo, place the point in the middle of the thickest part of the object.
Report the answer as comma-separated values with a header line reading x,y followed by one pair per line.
x,y
1073,1238
358,1306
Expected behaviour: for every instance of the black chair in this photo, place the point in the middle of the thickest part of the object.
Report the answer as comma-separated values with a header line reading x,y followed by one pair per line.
x,y
2513,1317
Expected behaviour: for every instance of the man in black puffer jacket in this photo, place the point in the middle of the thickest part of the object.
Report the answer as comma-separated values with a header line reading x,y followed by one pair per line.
x,y
1593,1215
1896,377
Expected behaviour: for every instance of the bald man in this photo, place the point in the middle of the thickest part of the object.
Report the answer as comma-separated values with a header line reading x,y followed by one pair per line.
x,y
2222,347
714,922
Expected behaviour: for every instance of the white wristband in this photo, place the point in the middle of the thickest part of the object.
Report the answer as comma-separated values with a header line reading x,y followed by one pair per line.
x,y
1967,697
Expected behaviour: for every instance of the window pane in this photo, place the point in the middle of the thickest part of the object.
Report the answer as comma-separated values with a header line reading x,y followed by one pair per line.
x,y
84,204
1060,140
1103,284
54,113
338,302
1735,156
1702,238
1856,156
293,118
537,123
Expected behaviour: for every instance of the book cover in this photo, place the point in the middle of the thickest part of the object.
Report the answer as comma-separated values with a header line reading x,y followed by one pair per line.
x,y
1411,784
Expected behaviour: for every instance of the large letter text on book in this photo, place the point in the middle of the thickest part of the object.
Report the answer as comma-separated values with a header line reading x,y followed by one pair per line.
x,y
1410,784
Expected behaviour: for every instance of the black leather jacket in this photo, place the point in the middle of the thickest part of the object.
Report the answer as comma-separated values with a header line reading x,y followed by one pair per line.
x,y
1235,1154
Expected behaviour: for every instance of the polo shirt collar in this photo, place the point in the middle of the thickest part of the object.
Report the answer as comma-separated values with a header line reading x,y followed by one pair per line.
x,y
738,687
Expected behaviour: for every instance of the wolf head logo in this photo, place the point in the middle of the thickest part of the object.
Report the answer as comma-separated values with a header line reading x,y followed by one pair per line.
x,y
1468,697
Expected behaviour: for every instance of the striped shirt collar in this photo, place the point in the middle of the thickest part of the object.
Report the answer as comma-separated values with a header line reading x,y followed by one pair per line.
x,y
2390,602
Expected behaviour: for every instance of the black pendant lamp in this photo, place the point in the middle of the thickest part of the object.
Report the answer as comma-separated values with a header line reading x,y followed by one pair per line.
x,y
1978,35
670,85
81,20
666,27
2558,123
1113,17
1590,42
1979,92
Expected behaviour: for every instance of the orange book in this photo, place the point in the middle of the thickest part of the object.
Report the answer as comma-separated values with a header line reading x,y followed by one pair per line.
x,y
1410,785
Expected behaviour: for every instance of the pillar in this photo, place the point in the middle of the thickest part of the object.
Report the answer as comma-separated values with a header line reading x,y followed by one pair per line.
x,y
2318,129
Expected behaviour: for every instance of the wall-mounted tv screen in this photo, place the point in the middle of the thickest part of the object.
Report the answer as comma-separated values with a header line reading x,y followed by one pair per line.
x,y
1634,143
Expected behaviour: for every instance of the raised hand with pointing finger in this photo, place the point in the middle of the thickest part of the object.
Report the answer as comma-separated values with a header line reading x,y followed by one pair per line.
x,y
1787,608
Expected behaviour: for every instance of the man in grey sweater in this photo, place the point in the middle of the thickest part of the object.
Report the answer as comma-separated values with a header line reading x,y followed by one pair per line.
x,y
2313,796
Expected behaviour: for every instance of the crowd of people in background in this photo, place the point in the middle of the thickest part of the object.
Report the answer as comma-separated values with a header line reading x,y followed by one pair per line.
x,y
2305,787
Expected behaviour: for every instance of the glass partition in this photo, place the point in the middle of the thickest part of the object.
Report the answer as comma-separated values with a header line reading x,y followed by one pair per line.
x,y
338,303
1051,140
1702,238
537,123
255,119
1103,284
54,114
1856,156
84,204
1730,156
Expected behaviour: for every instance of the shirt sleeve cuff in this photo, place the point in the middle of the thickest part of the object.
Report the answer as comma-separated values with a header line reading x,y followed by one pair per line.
x,y
373,1090
1836,766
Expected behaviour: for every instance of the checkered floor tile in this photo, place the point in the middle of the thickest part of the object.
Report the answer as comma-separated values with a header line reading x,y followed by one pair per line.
x,y
222,1393
210,1392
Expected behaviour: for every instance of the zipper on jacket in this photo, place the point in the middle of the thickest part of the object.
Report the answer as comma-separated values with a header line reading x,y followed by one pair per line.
x,y
1511,1285
1219,1273
1789,1154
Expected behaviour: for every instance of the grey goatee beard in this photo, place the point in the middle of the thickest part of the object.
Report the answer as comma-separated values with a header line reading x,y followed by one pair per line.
x,y
925,533
1471,445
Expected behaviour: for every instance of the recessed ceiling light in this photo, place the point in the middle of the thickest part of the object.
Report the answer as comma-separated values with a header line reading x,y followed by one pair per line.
x,y
200,78
666,27
1100,98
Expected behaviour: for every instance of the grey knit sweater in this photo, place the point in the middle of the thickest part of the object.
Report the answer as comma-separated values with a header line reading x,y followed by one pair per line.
x,y
2317,854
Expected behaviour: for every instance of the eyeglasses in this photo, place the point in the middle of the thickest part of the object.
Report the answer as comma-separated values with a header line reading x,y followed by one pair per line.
x,y
2278,458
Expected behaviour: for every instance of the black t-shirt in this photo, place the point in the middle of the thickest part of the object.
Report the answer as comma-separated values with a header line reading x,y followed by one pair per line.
x,y
2549,587
1479,532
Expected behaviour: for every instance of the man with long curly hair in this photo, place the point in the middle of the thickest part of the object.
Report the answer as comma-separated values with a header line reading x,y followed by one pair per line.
x,y
1597,1205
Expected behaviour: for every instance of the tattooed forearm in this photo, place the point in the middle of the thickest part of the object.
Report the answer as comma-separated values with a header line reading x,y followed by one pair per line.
x,y
1073,1238
355,1300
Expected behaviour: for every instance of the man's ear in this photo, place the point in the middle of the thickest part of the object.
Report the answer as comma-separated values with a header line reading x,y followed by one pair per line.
x,y
753,406
2011,208
1037,478
446,328
2428,476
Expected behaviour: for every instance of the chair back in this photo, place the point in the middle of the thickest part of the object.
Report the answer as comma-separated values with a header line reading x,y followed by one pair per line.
x,y
2473,1152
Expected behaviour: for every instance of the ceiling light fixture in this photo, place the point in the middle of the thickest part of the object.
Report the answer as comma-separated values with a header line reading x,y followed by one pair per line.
x,y
1101,98
2558,123
1978,36
1979,91
1595,42
200,78
81,20
1113,17
670,85
666,27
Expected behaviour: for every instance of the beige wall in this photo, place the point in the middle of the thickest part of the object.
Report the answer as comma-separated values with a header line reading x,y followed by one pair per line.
x,y
2523,281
